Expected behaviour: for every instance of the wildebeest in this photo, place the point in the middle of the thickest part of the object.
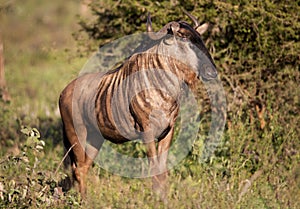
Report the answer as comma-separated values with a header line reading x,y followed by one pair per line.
x,y
137,100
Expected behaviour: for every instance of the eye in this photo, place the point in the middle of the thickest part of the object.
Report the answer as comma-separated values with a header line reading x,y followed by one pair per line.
x,y
183,34
180,34
184,37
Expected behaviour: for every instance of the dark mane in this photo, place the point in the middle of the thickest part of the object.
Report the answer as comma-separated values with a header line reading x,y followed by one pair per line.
x,y
195,38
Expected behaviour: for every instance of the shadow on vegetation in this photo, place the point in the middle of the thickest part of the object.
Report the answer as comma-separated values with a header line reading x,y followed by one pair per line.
x,y
11,124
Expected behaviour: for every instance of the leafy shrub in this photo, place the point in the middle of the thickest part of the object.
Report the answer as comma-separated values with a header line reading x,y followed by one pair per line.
x,y
23,180
256,47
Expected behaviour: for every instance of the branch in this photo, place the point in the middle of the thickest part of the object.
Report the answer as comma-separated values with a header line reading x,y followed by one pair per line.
x,y
64,158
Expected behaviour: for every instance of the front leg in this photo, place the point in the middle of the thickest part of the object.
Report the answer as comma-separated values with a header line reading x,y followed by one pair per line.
x,y
149,142
160,180
158,162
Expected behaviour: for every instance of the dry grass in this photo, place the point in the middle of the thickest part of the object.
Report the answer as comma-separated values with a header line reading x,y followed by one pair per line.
x,y
257,166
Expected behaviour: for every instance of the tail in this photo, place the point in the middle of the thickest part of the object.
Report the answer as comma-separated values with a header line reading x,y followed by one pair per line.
x,y
68,182
70,159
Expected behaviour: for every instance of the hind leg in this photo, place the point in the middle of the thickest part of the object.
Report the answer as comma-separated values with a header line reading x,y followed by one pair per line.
x,y
85,144
77,154
93,143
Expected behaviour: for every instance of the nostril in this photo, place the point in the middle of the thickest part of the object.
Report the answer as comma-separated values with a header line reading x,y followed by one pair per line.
x,y
209,72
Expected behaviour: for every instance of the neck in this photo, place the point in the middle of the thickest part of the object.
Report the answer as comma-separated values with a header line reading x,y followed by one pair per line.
x,y
152,60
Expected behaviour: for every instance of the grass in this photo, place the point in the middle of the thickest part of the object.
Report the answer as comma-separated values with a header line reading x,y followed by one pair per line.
x,y
256,168
38,53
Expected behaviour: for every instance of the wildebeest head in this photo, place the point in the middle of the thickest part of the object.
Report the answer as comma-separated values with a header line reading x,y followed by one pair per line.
x,y
186,45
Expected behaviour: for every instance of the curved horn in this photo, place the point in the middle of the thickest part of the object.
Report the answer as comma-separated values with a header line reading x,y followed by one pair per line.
x,y
149,23
194,19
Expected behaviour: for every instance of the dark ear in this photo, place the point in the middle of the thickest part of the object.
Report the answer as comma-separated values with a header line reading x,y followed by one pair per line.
x,y
202,28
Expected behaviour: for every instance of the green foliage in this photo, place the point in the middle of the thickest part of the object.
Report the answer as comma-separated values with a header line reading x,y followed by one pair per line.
x,y
24,182
255,45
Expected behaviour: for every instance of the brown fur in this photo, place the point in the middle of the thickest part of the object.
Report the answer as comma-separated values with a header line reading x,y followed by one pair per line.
x,y
119,106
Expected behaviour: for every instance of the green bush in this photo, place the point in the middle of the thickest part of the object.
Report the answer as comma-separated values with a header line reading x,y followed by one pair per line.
x,y
24,181
256,47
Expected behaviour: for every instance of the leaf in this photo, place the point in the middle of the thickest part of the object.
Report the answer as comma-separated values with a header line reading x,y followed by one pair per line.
x,y
36,133
25,130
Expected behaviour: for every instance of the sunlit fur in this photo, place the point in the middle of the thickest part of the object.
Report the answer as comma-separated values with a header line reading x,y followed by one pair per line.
x,y
138,100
